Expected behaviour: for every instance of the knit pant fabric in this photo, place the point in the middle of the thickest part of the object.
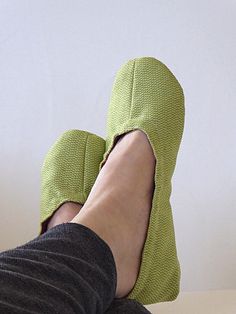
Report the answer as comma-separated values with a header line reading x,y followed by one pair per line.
x,y
68,269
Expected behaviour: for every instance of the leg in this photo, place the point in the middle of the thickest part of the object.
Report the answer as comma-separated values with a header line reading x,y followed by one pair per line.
x,y
71,268
126,211
119,204
115,212
64,213
120,305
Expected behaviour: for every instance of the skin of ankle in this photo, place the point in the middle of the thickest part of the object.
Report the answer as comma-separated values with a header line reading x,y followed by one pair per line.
x,y
64,213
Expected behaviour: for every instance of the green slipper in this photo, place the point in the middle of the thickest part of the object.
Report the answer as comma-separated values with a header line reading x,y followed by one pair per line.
x,y
147,96
69,171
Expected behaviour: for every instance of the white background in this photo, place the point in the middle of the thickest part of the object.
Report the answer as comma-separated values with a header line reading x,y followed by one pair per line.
x,y
58,60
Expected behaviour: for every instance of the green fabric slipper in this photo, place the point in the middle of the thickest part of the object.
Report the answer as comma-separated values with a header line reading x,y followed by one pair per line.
x,y
147,96
69,171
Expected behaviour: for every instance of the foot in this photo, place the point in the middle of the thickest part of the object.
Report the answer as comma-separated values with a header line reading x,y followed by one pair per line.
x,y
119,204
63,214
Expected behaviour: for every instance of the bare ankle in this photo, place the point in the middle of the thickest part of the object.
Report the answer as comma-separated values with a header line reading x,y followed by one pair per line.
x,y
64,213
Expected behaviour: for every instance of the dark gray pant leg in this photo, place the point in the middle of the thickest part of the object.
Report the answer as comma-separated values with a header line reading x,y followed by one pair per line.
x,y
126,306
68,269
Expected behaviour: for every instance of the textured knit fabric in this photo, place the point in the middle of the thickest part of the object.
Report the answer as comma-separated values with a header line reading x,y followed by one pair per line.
x,y
126,306
147,96
68,269
69,171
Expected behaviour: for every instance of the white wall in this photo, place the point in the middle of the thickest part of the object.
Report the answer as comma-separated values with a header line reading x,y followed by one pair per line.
x,y
57,64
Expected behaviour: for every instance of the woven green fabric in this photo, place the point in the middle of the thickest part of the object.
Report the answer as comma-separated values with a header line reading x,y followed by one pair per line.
x,y
69,170
147,96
